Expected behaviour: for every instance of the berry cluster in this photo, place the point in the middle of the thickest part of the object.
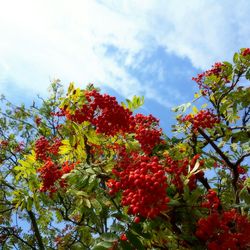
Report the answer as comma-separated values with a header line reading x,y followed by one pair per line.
x,y
212,201
143,183
204,119
178,168
229,230
42,146
50,173
216,70
104,112
44,149
147,132
4,144
110,118
245,52
19,147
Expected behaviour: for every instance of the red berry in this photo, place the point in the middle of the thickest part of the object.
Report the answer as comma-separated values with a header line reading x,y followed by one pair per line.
x,y
123,237
137,219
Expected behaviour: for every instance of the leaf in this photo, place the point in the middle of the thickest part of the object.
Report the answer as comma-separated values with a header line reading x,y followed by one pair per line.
x,y
173,203
134,104
248,74
93,137
120,217
196,95
134,240
99,247
65,148
71,87
195,110
109,237
116,227
234,147
126,246
97,206
235,57
103,245
204,105
87,203
29,203
181,108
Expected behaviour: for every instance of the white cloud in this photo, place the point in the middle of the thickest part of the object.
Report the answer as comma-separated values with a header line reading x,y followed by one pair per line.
x,y
69,40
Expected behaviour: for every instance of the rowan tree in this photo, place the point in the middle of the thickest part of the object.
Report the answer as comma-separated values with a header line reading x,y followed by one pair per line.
x,y
82,171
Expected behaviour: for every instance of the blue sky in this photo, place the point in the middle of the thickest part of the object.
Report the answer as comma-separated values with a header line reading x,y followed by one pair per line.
x,y
142,47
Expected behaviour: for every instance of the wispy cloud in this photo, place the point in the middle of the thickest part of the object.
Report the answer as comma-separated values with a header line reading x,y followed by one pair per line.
x,y
112,43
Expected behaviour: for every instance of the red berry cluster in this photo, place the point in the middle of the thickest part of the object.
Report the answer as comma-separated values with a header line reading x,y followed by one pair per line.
x,y
245,52
241,170
42,146
178,168
54,148
50,173
4,144
19,147
216,70
44,149
147,132
104,112
229,230
212,201
204,119
110,118
143,183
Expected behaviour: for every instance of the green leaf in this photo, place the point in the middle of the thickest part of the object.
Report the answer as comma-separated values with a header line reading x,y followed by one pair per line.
x,y
174,203
98,247
248,74
126,246
235,57
103,245
234,147
29,203
120,217
181,108
195,110
116,227
109,237
87,202
97,206
134,240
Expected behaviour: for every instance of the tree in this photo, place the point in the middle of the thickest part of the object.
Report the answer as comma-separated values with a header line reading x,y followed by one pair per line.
x,y
81,171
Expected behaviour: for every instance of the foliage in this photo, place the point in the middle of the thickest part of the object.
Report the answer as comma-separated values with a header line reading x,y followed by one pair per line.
x,y
81,171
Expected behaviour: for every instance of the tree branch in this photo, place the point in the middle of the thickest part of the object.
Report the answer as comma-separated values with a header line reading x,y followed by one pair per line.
x,y
36,230
216,148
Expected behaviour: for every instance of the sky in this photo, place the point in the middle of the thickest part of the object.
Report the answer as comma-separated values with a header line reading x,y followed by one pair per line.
x,y
126,47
